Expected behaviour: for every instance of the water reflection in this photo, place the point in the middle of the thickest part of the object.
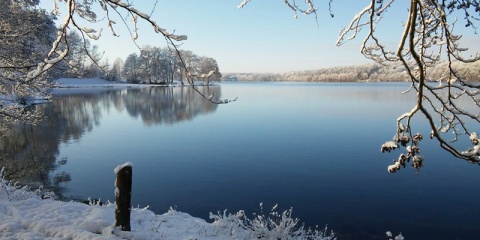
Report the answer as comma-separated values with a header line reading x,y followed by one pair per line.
x,y
313,147
159,105
30,153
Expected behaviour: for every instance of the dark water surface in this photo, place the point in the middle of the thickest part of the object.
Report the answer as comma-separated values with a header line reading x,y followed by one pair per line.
x,y
313,147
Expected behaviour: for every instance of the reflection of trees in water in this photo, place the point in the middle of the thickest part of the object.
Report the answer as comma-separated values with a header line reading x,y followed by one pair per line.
x,y
157,105
78,113
30,153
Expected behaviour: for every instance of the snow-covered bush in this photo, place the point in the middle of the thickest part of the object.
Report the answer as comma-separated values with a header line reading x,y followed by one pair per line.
x,y
13,191
275,225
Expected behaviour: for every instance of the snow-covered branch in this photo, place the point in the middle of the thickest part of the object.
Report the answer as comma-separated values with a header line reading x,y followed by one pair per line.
x,y
28,53
427,40
307,7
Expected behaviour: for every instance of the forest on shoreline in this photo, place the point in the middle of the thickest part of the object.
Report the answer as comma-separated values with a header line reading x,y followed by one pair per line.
x,y
372,72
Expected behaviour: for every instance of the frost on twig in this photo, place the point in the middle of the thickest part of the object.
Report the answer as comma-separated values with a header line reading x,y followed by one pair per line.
x,y
12,191
428,40
411,144
274,225
474,152
24,56
306,7
131,17
390,236
28,52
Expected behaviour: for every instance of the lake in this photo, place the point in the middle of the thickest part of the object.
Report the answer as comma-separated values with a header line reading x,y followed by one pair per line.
x,y
314,147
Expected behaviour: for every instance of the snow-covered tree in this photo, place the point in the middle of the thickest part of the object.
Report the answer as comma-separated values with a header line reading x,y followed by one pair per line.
x,y
207,65
429,36
31,45
163,65
82,60
131,68
25,39
115,72
157,65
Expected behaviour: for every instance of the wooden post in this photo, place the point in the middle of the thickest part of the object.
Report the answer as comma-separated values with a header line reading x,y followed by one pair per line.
x,y
123,195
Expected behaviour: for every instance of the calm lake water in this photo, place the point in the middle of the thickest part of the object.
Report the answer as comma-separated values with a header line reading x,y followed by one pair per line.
x,y
313,147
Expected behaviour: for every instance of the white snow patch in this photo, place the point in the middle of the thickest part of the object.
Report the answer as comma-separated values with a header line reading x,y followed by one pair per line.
x,y
35,218
120,167
81,81
82,85
25,215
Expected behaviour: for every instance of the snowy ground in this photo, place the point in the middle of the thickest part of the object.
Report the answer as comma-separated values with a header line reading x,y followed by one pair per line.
x,y
70,86
26,214
78,82
96,82
91,82
50,219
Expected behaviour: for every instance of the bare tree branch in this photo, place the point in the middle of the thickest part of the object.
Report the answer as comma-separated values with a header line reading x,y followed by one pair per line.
x,y
427,40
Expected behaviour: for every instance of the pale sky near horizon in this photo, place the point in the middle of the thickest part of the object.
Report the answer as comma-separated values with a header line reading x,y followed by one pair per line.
x,y
262,37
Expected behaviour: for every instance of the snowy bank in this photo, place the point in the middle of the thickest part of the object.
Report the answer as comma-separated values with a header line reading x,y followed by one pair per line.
x,y
37,218
70,86
80,82
97,82
26,214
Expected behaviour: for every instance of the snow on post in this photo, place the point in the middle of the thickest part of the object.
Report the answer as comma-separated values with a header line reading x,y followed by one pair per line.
x,y
123,196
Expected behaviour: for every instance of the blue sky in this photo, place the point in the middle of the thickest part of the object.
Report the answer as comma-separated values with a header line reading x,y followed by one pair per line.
x,y
262,37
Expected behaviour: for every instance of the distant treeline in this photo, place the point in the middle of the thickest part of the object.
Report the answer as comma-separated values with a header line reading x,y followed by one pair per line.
x,y
360,73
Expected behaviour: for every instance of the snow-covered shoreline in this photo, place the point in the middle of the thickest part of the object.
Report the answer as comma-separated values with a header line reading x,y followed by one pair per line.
x,y
26,214
70,86
95,82
48,219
